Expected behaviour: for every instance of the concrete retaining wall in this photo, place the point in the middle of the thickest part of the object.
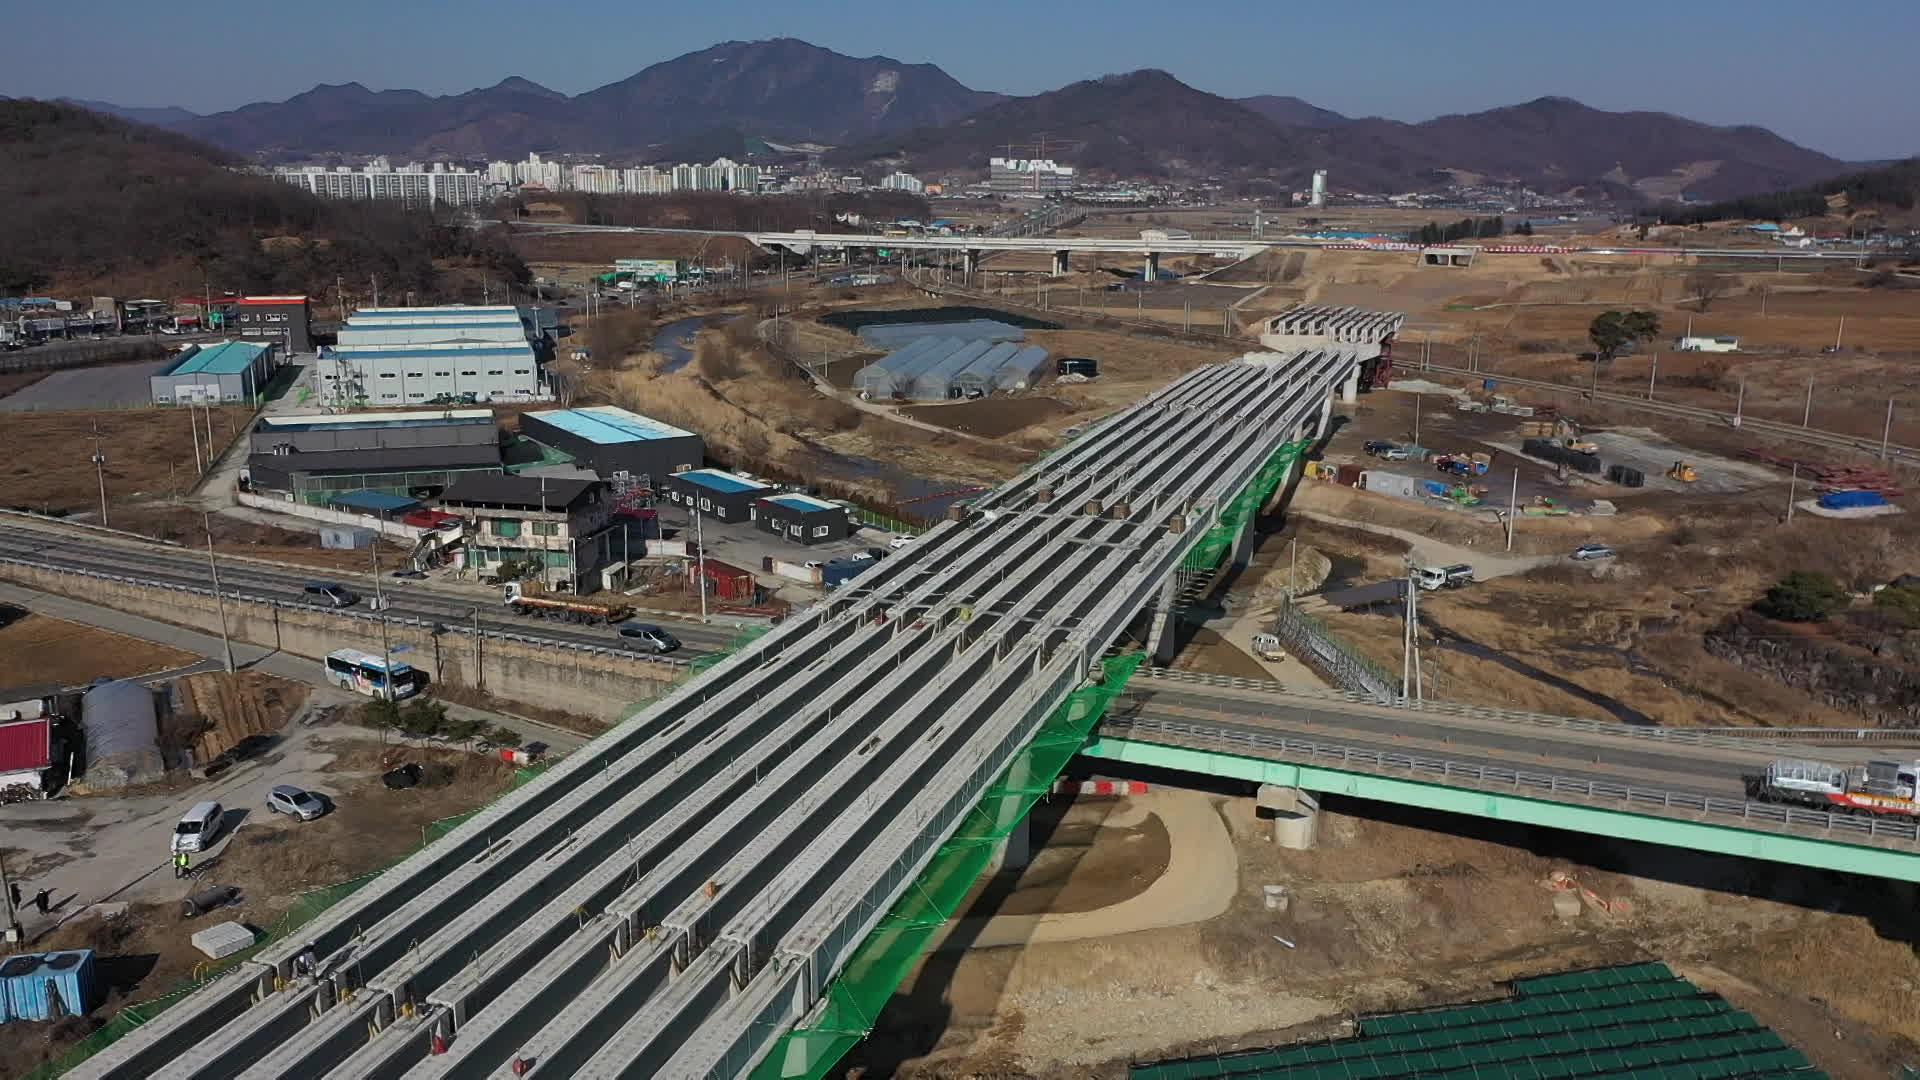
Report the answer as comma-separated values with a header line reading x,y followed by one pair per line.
x,y
600,683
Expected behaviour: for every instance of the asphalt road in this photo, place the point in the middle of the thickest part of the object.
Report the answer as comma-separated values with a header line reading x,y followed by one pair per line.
x,y
412,599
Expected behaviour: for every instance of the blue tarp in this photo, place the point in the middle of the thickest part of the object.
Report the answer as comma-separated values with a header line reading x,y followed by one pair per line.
x,y
1841,500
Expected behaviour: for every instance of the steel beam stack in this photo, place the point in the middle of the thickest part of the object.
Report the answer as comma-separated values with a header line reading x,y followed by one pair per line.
x,y
671,898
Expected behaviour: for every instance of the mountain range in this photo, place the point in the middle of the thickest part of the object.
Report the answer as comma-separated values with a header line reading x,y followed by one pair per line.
x,y
879,112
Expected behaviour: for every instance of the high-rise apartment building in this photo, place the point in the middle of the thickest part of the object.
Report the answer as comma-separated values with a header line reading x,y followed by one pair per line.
x,y
413,185
1029,176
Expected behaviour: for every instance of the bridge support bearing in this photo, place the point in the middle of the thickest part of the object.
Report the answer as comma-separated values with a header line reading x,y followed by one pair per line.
x,y
1061,265
1295,813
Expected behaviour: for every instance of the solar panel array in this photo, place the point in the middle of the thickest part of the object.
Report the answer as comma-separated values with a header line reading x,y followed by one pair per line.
x,y
1639,1020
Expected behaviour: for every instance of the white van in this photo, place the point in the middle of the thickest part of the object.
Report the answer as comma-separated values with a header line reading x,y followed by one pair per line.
x,y
199,827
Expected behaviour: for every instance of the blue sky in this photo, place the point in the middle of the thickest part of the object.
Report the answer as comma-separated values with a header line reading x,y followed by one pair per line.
x,y
1784,64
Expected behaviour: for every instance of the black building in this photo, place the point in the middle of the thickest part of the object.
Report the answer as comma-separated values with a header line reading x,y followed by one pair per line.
x,y
802,519
721,495
283,319
612,440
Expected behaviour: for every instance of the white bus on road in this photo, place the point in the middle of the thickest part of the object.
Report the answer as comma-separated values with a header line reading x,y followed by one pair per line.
x,y
365,673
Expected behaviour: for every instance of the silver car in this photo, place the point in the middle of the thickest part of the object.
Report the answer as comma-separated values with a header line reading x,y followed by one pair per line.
x,y
295,802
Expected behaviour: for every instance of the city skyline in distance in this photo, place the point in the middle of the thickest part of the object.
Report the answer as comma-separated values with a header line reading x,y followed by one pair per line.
x,y
1400,60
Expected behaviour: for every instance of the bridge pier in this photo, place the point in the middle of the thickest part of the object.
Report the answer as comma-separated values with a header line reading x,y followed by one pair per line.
x,y
1152,272
1161,639
1350,387
1295,813
1014,850
1061,265
970,263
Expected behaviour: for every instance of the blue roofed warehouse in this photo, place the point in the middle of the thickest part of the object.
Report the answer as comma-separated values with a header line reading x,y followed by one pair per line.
x,y
225,371
723,495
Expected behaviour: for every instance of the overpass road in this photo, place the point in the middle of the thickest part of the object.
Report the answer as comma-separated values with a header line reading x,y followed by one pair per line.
x,y
70,549
671,898
1709,765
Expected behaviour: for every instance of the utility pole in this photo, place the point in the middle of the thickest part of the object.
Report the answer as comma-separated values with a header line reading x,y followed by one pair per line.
x,y
1839,333
1806,414
1293,569
1416,419
376,289
193,421
1740,403
219,599
479,673
1513,507
1653,376
1886,432
380,605
100,465
700,565
1793,490
339,297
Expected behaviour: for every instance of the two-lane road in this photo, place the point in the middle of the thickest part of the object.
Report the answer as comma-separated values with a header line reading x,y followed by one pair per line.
x,y
165,565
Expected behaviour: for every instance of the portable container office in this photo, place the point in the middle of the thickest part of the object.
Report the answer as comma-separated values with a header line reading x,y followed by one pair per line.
x,y
46,986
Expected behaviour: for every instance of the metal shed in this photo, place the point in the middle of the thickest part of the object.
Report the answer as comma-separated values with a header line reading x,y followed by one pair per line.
x,y
934,381
123,734
1021,369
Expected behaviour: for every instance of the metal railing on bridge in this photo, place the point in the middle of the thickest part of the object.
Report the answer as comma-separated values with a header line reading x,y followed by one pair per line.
x,y
1739,812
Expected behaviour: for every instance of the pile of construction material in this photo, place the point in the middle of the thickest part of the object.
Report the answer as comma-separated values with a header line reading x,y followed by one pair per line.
x,y
1832,479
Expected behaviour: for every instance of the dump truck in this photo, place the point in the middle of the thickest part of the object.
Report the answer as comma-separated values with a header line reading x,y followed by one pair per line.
x,y
1430,578
1878,787
532,598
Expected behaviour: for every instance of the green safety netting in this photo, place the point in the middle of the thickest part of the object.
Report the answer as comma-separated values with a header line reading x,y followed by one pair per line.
x,y
1243,508
882,961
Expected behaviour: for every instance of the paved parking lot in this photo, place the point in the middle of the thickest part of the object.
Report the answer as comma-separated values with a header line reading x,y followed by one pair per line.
x,y
113,386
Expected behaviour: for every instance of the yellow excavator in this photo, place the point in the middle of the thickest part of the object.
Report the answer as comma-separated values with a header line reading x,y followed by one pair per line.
x,y
1683,472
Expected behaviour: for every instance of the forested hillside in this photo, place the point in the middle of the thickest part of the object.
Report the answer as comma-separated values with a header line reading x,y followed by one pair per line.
x,y
1893,187
99,204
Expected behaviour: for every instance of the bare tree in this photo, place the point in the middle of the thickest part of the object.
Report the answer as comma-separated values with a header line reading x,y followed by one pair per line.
x,y
1708,287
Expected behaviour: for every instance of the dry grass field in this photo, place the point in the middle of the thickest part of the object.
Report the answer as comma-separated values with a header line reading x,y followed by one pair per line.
x,y
149,456
37,649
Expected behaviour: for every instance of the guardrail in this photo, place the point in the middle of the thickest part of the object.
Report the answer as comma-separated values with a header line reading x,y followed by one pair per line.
x,y
1722,737
368,616
49,519
1497,778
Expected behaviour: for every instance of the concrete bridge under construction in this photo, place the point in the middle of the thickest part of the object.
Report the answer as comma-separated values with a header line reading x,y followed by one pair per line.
x,y
675,896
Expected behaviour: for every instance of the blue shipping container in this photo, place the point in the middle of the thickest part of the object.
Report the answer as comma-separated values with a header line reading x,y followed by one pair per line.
x,y
46,986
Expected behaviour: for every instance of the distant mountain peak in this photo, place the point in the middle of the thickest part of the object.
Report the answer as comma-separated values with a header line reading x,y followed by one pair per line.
x,y
516,84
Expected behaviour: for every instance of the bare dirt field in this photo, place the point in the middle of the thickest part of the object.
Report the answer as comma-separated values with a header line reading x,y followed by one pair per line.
x,y
35,650
1398,910
235,536
145,953
992,417
149,456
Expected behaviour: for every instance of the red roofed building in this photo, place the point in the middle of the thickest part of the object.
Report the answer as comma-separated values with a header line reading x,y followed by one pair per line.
x,y
26,748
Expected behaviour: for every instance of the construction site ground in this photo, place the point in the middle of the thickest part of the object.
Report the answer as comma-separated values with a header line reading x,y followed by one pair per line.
x,y
104,858
1393,910
36,650
230,708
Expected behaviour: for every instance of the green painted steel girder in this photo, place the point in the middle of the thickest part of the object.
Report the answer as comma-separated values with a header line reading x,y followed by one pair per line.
x,y
1718,838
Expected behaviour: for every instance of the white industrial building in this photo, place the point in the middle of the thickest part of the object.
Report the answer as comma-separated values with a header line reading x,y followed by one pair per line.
x,y
1028,176
445,355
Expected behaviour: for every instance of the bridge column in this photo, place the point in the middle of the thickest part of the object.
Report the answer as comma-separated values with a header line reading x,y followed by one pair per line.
x,y
1152,269
1350,387
1060,263
1326,416
1013,851
1295,813
1161,639
970,263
